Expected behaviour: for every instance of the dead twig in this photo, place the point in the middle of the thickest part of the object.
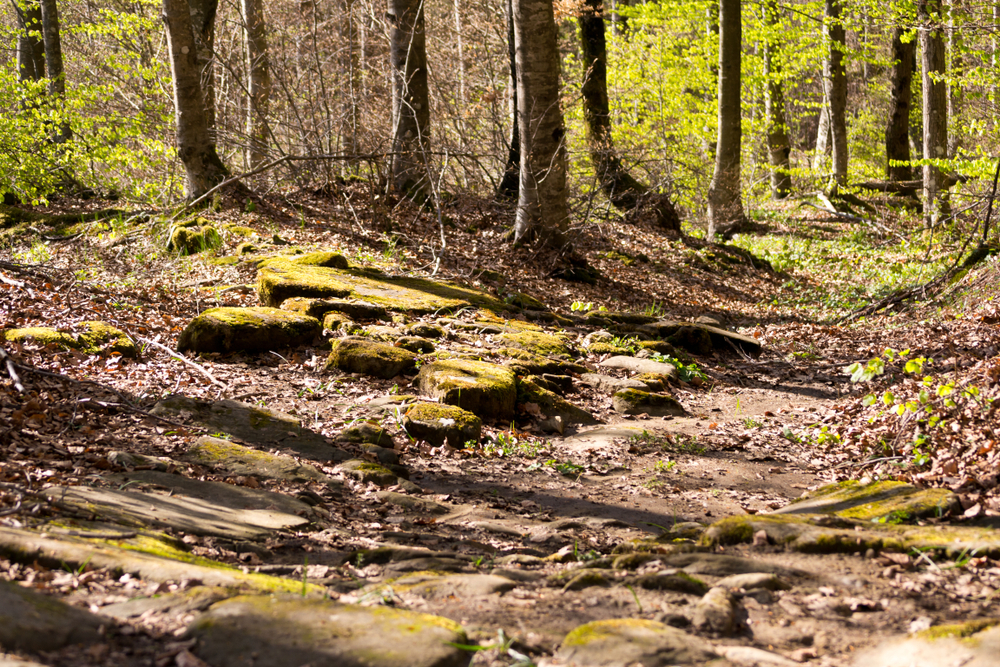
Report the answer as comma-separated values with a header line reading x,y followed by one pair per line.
x,y
11,370
186,361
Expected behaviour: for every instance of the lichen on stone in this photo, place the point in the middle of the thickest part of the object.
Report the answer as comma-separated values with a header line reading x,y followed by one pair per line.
x,y
379,360
247,330
487,390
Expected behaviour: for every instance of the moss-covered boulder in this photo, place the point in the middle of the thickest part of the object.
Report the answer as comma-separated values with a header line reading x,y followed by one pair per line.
x,y
94,338
424,330
632,641
525,301
367,472
536,342
318,308
325,258
269,631
228,457
635,402
415,344
550,404
439,423
192,237
523,362
366,433
354,355
486,390
247,330
281,278
972,644
888,501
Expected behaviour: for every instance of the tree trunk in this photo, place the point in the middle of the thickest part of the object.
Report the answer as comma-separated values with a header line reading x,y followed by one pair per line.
x,y
410,108
30,47
203,26
955,94
935,106
542,206
897,133
195,145
260,81
511,172
822,132
835,77
54,62
621,188
355,54
778,146
725,209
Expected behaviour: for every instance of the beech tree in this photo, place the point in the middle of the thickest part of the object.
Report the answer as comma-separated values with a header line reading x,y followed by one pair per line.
x,y
509,183
410,100
260,80
30,47
835,86
542,206
725,209
778,145
935,105
897,132
195,143
54,61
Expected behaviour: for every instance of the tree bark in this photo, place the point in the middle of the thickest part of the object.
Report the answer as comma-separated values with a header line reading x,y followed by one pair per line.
x,y
835,81
54,62
260,81
30,47
935,106
822,132
778,146
195,145
542,206
410,107
511,173
203,25
897,133
621,188
725,209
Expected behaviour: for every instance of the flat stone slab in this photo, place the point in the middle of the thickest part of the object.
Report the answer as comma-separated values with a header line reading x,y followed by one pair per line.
x,y
222,455
200,508
258,426
412,503
268,631
892,502
247,330
721,338
632,641
141,556
825,534
611,384
637,365
486,390
635,402
462,586
31,621
974,644
281,278
381,360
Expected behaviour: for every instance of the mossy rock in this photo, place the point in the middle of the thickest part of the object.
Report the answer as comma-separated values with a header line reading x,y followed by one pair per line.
x,y
246,248
439,423
415,344
628,641
327,259
192,239
280,278
695,340
354,355
486,390
523,362
228,260
654,381
340,322
601,316
366,433
318,308
240,230
525,301
888,501
635,401
601,348
658,346
247,330
542,344
382,334
424,330
31,621
367,472
96,338
229,457
551,405
271,631
678,582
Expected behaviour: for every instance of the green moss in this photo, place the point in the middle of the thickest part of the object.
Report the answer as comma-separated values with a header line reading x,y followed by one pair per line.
x,y
884,502
599,348
245,232
599,630
958,631
41,336
190,239
328,259
526,301
545,345
228,260
101,337
247,329
487,390
370,358
731,530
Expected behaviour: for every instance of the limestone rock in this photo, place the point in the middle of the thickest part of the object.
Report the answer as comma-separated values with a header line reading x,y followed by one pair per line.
x,y
370,358
415,344
894,502
431,586
679,582
611,384
424,330
30,621
412,503
749,581
629,641
716,612
536,342
366,433
486,390
229,457
551,405
95,338
672,330
325,258
438,423
318,308
247,330
973,644
528,363
635,401
641,365
269,631
367,472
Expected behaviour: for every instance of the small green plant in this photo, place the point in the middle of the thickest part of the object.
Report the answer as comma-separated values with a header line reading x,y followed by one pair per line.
x,y
655,309
685,372
750,422
634,595
664,466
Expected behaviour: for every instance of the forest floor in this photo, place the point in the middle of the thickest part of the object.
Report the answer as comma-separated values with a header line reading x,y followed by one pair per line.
x,y
526,507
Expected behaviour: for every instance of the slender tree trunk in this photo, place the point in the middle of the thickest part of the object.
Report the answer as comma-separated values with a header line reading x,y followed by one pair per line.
x,y
621,188
260,81
203,26
511,173
778,146
542,206
725,209
30,47
461,54
354,59
823,145
54,62
410,108
897,133
935,106
954,53
835,76
195,144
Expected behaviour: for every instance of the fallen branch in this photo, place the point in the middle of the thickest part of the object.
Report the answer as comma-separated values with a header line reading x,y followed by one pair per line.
x,y
185,360
11,370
